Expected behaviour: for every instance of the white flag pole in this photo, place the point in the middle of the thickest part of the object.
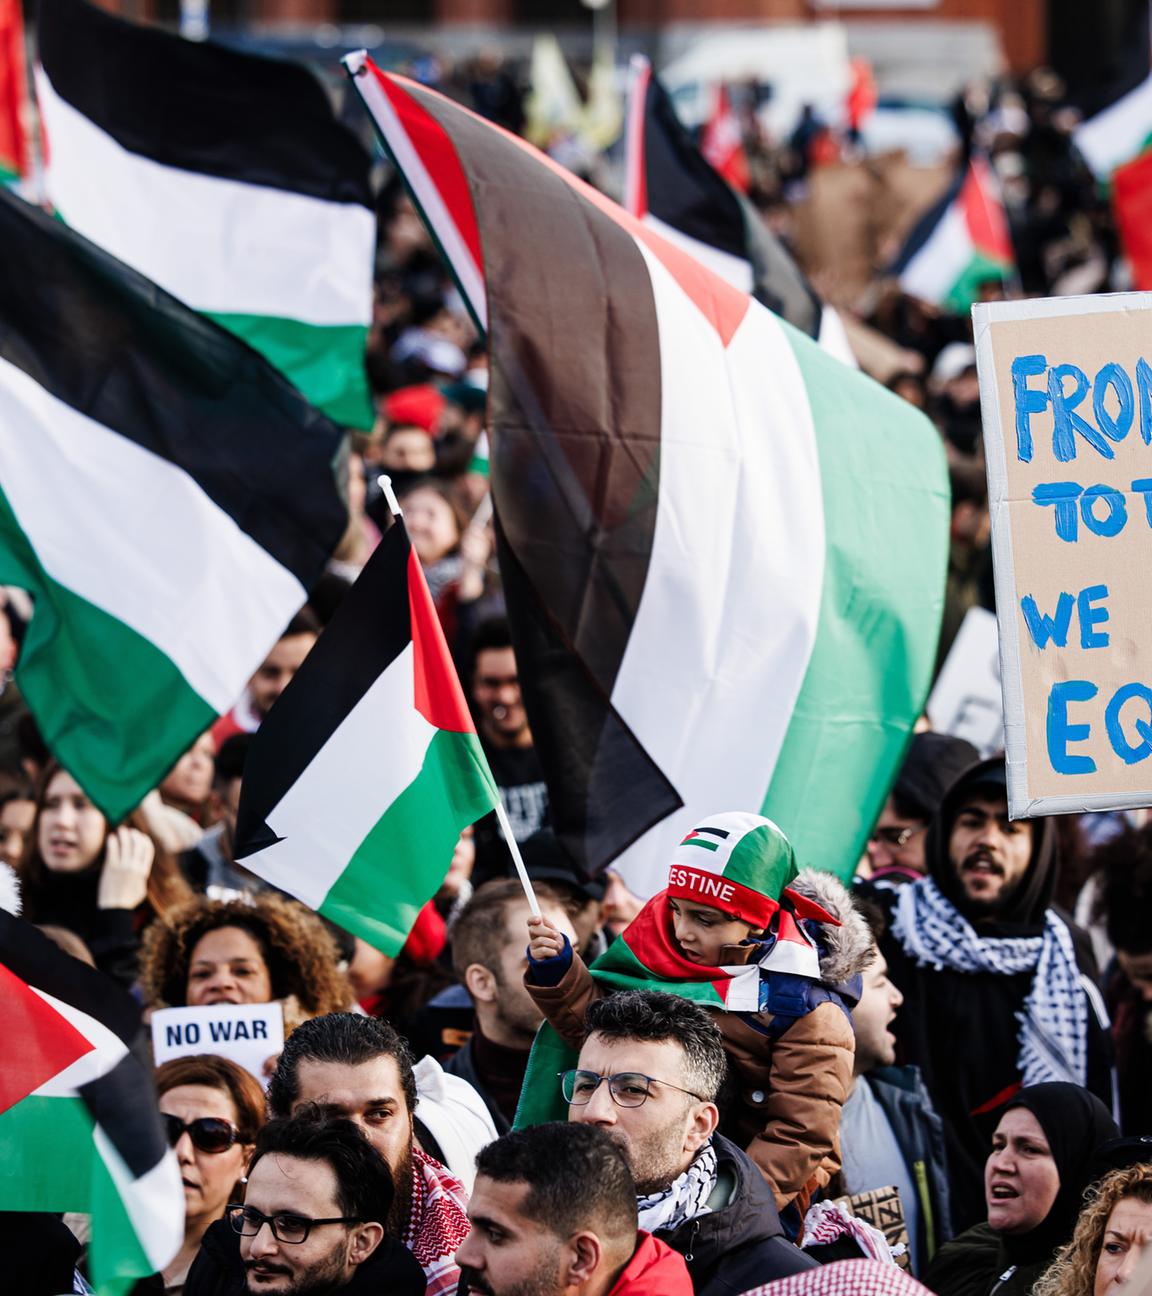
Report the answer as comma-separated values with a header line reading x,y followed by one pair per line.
x,y
385,484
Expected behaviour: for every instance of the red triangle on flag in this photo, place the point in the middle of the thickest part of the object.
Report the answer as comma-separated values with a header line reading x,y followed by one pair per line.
x,y
439,696
39,1042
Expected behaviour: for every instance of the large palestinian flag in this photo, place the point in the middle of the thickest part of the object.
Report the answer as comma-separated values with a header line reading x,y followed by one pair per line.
x,y
723,551
367,769
14,159
223,177
79,1126
165,495
960,243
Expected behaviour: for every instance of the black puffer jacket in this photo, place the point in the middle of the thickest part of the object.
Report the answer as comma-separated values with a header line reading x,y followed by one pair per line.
x,y
219,1271
740,1243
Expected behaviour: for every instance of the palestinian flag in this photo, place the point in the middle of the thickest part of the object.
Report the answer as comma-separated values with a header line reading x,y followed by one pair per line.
x,y
960,243
723,552
1132,203
223,177
79,1126
368,768
14,159
722,142
166,497
674,187
1119,133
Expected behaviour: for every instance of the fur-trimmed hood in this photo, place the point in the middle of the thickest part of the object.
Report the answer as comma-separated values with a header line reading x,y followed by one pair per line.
x,y
845,950
9,889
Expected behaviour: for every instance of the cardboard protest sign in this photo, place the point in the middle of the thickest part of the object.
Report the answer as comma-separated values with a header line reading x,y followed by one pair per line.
x,y
249,1034
1066,396
966,701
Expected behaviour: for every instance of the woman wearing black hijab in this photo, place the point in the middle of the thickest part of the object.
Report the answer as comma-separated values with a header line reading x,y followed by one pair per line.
x,y
1034,1184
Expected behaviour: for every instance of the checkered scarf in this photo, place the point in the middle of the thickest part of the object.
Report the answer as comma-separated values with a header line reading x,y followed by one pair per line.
x,y
1054,1022
684,1198
437,1223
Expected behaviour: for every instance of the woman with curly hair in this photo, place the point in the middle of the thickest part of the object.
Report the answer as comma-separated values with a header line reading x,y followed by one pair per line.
x,y
101,883
239,951
1110,1235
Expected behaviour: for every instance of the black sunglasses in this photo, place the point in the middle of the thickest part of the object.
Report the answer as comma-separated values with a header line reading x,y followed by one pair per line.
x,y
208,1133
292,1229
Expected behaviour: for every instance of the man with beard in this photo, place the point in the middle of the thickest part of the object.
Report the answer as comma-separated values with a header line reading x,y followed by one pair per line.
x,y
999,986
489,959
553,1214
649,1074
359,1069
312,1222
502,725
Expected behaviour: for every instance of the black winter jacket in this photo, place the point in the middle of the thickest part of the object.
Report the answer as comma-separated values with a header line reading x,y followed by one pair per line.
x,y
962,1028
740,1243
391,1270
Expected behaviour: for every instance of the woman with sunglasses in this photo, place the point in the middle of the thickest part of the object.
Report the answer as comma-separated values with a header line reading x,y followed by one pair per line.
x,y
212,1110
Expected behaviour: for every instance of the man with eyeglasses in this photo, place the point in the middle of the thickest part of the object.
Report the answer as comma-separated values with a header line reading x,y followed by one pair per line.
x,y
896,846
649,1074
312,1222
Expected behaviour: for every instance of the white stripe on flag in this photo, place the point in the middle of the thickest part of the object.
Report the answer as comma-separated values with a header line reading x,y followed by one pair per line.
x,y
375,753
1117,134
736,573
154,1202
732,269
137,537
108,1049
934,270
219,245
411,165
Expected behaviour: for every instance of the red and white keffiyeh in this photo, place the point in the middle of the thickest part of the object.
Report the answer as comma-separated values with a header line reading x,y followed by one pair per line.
x,y
845,1278
437,1223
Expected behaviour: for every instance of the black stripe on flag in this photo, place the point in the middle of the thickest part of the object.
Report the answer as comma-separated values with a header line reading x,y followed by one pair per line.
x,y
114,346
687,193
716,832
370,630
199,106
925,227
123,1104
40,963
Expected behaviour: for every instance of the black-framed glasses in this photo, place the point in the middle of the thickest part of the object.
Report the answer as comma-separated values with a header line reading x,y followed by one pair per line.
x,y
627,1088
287,1228
208,1133
897,838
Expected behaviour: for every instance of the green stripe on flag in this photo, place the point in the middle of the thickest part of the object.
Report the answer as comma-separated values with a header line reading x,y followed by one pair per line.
x,y
324,362
51,1163
704,845
74,651
400,865
886,510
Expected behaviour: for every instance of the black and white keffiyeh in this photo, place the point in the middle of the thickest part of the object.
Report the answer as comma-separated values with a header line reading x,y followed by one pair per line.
x,y
684,1198
1054,1022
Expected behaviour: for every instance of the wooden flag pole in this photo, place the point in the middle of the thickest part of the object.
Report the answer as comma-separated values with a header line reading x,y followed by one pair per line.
x,y
385,483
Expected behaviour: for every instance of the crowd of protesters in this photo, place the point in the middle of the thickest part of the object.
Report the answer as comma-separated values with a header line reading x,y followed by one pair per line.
x,y
937,1071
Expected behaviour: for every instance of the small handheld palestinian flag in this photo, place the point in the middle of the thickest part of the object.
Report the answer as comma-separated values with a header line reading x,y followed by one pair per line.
x,y
79,1125
367,769
224,177
960,243
166,497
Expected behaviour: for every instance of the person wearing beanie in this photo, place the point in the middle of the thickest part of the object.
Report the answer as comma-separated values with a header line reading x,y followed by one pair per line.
x,y
776,953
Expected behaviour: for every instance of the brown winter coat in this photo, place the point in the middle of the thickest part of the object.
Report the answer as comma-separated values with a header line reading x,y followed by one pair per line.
x,y
791,1090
